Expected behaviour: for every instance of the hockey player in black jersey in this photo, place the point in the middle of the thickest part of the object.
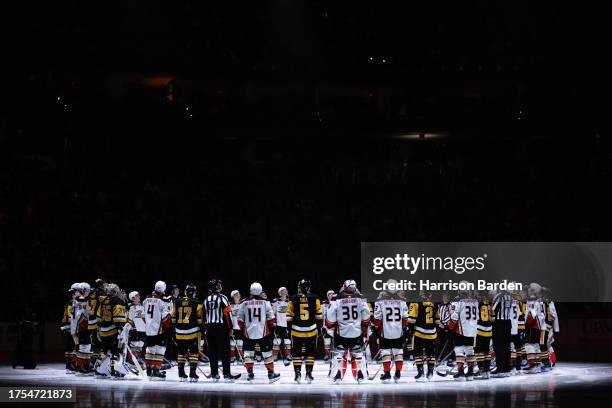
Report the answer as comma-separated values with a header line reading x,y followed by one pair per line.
x,y
304,320
187,320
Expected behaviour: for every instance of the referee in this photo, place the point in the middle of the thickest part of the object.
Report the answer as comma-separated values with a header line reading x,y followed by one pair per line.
x,y
217,311
502,327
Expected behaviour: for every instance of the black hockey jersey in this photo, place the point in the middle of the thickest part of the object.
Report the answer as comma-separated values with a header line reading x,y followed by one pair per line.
x,y
187,318
112,315
425,316
486,315
304,315
65,326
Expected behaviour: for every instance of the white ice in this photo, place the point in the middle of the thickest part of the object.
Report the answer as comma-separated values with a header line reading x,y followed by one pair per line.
x,y
563,375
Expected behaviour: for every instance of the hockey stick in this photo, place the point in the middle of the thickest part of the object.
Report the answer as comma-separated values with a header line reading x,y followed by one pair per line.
x,y
141,371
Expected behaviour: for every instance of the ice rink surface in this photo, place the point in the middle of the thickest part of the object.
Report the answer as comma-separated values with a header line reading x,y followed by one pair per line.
x,y
569,384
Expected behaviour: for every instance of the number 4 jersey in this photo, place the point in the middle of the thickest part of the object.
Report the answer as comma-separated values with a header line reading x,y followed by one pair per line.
x,y
350,313
157,315
390,316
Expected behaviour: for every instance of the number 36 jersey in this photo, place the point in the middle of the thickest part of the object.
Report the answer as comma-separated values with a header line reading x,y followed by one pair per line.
x,y
350,314
390,316
464,317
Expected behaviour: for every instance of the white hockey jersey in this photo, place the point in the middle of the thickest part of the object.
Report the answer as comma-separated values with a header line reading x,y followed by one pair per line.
x,y
156,310
80,315
534,310
136,316
465,315
348,313
280,311
256,314
235,310
392,315
553,312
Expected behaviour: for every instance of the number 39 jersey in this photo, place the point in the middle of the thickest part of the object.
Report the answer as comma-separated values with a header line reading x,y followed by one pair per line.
x,y
391,316
350,314
257,316
156,310
465,317
425,316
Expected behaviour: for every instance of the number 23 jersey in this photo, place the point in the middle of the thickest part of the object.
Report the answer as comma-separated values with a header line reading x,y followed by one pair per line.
x,y
391,315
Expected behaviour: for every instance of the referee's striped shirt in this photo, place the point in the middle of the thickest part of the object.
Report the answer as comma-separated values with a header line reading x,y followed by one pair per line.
x,y
502,306
216,309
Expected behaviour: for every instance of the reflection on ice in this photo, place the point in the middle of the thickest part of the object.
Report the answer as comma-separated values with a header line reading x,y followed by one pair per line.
x,y
565,385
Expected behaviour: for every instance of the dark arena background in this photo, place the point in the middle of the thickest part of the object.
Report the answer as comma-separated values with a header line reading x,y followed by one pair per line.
x,y
265,140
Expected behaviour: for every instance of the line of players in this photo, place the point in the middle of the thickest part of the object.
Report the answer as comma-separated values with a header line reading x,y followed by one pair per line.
x,y
98,322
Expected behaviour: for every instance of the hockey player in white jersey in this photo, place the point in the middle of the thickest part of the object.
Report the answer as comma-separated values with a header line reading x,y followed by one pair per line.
x,y
135,328
464,318
236,340
349,315
257,320
390,319
282,340
157,323
328,334
535,326
79,331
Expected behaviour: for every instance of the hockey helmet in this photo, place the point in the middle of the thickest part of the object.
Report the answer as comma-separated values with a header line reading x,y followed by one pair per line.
x,y
84,287
190,290
234,293
133,295
304,285
281,290
256,289
214,284
160,287
330,294
350,286
74,287
534,290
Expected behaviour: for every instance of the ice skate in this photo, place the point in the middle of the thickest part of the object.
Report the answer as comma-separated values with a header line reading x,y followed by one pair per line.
x,y
385,377
273,377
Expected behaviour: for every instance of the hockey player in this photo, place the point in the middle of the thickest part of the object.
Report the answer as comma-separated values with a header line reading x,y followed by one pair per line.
x,y
257,320
112,316
69,353
236,340
553,326
549,321
187,320
95,297
517,331
535,324
424,316
328,334
463,322
281,341
390,319
350,316
136,321
79,331
158,322
304,317
484,332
